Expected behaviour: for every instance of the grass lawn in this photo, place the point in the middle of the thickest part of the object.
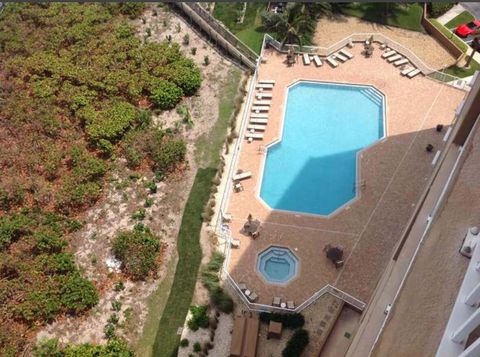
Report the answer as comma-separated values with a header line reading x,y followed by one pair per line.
x,y
407,16
462,71
462,18
188,246
462,45
250,31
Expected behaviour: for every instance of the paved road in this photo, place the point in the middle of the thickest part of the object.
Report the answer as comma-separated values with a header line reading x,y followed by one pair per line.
x,y
473,7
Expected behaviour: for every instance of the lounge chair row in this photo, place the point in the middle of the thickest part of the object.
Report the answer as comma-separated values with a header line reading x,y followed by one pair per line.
x,y
259,120
343,55
397,59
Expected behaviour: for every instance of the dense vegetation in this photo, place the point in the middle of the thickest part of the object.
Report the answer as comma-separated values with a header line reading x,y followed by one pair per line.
x,y
137,250
211,280
76,90
51,348
38,277
296,344
75,75
437,9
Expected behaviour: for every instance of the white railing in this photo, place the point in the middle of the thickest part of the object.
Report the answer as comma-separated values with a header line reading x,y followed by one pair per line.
x,y
379,38
327,289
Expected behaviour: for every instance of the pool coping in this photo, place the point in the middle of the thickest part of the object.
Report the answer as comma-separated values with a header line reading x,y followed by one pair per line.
x,y
357,158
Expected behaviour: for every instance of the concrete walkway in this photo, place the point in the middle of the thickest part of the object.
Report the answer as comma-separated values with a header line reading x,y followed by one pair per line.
x,y
473,7
450,14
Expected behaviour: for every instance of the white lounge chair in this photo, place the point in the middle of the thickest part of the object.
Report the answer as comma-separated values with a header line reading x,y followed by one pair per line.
x,y
346,53
407,70
258,121
400,62
350,43
254,136
276,301
290,304
242,176
340,57
332,62
259,115
257,127
264,86
267,81
394,58
317,60
413,73
264,95
252,297
260,108
389,53
306,59
262,102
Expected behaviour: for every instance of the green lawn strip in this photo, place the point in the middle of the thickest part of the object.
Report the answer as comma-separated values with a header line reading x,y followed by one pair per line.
x,y
250,31
462,71
155,305
462,18
190,256
462,45
208,145
188,245
407,16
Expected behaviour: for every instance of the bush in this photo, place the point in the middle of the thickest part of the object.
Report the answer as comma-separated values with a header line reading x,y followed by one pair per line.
x,y
186,39
169,154
184,343
111,123
116,305
197,347
206,60
291,321
137,250
109,331
114,347
48,241
199,317
119,286
296,344
61,263
152,187
437,9
77,294
139,214
222,300
211,281
165,95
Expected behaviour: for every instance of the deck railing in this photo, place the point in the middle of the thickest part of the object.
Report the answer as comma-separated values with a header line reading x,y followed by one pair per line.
x,y
379,38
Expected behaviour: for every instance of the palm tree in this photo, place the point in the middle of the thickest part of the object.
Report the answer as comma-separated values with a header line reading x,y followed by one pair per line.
x,y
475,47
297,24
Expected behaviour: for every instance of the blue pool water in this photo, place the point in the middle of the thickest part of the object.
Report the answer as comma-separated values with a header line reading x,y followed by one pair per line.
x,y
313,168
278,265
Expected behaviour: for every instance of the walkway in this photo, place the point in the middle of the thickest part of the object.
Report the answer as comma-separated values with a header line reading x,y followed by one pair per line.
x,y
452,13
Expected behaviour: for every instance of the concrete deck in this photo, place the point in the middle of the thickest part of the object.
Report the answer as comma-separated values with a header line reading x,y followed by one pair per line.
x,y
395,172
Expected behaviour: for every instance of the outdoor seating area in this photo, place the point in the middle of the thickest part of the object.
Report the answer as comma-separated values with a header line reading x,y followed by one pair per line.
x,y
249,294
398,60
258,117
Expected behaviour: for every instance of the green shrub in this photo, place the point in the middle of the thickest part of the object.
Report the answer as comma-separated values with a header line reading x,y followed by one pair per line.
x,y
197,347
296,344
222,300
139,214
186,39
148,202
137,250
169,154
113,319
437,9
12,228
114,347
61,263
77,294
206,60
184,343
109,331
119,286
116,305
48,241
199,317
186,75
165,95
152,187
132,9
111,123
291,321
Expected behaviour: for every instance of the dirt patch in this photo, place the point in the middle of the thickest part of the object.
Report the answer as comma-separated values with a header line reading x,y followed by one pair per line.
x,y
124,195
330,31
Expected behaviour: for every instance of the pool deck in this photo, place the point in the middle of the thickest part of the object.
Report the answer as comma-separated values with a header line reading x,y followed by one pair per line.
x,y
394,173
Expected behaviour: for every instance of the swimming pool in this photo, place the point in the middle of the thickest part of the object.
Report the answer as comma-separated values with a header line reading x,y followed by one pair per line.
x,y
278,265
313,168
